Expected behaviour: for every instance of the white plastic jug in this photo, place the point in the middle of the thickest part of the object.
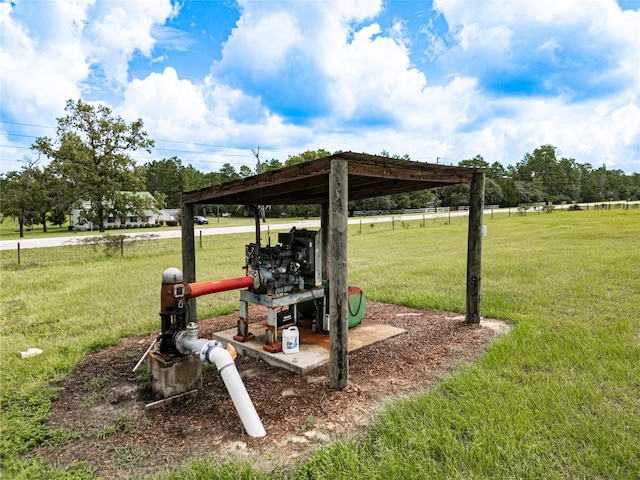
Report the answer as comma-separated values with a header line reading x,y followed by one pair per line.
x,y
290,340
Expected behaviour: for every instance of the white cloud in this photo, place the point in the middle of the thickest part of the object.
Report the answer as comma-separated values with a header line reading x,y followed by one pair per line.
x,y
41,66
49,49
282,51
579,32
263,44
169,106
121,28
371,76
308,74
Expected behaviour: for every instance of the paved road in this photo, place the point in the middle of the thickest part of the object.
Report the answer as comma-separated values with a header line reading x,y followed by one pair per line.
x,y
43,242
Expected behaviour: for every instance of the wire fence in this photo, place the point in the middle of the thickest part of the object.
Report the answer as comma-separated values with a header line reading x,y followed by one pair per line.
x,y
89,250
103,247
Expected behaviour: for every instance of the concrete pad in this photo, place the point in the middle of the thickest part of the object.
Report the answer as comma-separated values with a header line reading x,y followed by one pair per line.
x,y
314,347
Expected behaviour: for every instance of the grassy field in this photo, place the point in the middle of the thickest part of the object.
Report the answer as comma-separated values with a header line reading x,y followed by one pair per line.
x,y
558,397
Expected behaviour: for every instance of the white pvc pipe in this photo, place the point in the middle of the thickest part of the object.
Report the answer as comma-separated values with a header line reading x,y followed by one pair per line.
x,y
241,400
211,351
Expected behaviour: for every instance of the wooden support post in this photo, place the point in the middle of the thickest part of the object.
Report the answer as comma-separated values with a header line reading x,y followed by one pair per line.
x,y
474,247
189,255
338,299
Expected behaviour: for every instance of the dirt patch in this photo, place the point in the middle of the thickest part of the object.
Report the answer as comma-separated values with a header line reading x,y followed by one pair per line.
x,y
102,402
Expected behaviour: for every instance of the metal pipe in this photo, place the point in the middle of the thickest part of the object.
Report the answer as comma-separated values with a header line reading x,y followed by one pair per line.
x,y
212,352
203,288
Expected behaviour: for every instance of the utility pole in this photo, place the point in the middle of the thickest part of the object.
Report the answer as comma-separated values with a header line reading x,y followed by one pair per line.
x,y
256,153
261,208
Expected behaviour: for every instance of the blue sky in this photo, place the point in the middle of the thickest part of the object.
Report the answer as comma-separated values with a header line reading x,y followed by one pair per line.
x,y
438,80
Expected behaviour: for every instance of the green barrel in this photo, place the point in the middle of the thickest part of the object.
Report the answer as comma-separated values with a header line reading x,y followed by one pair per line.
x,y
357,305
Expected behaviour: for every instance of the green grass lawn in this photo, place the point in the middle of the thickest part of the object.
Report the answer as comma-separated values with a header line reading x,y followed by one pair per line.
x,y
557,397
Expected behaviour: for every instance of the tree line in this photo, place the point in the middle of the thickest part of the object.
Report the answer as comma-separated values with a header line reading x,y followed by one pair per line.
x,y
91,164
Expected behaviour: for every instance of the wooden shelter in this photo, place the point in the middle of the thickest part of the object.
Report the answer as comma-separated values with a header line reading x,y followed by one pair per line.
x,y
332,182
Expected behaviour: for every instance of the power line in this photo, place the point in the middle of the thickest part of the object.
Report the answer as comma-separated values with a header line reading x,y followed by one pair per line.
x,y
26,124
154,158
212,145
179,142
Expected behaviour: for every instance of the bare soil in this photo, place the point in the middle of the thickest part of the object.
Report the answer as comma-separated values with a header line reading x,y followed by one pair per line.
x,y
103,401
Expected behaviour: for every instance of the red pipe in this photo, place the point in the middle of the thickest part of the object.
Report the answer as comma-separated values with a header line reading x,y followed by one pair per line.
x,y
203,288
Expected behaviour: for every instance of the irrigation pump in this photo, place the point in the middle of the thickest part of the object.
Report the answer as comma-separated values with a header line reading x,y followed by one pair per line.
x,y
286,278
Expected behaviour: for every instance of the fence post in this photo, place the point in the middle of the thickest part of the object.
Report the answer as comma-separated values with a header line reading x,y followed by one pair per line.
x,y
122,246
18,253
200,239
393,223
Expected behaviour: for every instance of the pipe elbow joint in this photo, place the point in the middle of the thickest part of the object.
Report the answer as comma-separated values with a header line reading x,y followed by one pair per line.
x,y
215,354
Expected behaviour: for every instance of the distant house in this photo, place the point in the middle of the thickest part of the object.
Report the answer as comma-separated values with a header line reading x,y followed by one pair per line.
x,y
79,222
169,215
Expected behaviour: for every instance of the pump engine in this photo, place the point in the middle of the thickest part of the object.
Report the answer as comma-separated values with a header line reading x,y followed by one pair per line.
x,y
294,264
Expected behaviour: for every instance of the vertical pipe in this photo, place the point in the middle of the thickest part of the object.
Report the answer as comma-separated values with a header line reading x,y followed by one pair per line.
x,y
324,228
256,220
18,253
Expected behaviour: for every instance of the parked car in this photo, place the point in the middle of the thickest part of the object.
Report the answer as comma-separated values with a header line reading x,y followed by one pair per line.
x,y
200,220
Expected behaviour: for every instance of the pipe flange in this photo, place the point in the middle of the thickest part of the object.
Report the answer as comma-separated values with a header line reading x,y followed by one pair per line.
x,y
206,350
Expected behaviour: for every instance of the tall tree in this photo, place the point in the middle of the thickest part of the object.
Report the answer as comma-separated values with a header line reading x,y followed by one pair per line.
x,y
245,171
166,176
477,162
92,154
20,194
272,164
306,156
548,176
228,173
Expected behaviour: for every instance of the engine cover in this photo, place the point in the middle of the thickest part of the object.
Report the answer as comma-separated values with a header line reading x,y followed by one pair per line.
x,y
294,264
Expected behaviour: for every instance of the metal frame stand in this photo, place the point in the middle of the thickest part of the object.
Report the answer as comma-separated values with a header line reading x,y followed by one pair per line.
x,y
272,302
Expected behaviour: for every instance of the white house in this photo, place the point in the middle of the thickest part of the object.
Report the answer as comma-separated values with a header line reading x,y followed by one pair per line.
x,y
169,214
78,222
